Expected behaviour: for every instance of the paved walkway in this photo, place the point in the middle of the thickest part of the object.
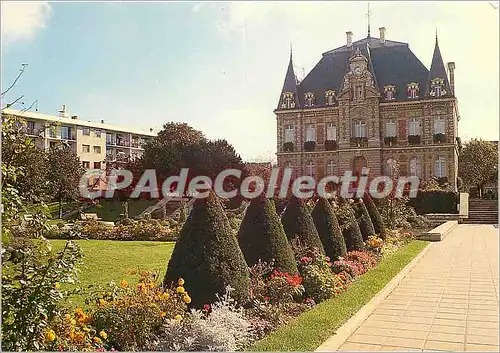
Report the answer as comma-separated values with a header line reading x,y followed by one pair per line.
x,y
448,302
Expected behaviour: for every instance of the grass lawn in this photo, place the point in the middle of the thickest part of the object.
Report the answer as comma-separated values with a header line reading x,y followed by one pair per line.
x,y
110,210
312,328
111,260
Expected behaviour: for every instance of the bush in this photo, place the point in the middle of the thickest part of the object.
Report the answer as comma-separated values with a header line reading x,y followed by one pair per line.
x,y
299,225
435,201
350,228
267,285
32,275
131,316
329,230
364,220
355,263
261,237
219,327
207,255
377,221
318,280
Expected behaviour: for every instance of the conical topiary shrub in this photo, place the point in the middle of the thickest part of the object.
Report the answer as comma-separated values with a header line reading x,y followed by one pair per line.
x,y
328,229
377,221
299,225
261,237
207,256
349,226
364,220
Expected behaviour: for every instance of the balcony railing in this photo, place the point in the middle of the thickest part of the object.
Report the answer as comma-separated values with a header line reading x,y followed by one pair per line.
x,y
439,138
414,139
359,141
330,145
310,146
288,147
390,140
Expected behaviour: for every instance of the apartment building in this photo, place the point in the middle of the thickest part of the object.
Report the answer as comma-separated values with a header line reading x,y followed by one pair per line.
x,y
95,143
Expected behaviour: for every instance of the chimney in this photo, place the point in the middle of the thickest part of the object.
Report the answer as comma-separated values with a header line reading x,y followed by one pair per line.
x,y
382,35
63,113
102,121
451,71
349,39
74,117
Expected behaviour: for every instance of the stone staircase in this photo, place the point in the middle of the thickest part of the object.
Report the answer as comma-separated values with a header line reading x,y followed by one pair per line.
x,y
482,212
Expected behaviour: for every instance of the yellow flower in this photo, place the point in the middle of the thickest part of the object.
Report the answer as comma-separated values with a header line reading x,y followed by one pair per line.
x,y
178,317
187,299
86,329
151,285
57,285
73,322
180,289
181,282
103,334
165,296
123,283
79,337
96,340
163,314
67,317
102,302
50,335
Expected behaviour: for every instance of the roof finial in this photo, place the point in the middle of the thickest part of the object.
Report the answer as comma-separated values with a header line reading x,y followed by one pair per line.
x,y
436,34
368,14
291,50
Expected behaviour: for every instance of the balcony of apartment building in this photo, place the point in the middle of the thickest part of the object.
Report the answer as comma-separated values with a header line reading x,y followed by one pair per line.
x,y
117,140
61,133
138,142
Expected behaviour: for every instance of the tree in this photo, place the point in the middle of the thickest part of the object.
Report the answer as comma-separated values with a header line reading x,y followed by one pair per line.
x,y
63,174
299,225
20,151
207,256
262,237
478,163
378,222
364,220
329,229
349,225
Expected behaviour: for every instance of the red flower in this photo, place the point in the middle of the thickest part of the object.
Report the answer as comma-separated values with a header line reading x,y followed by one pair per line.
x,y
206,307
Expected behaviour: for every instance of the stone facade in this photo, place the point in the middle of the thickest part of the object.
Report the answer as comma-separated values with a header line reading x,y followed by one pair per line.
x,y
371,129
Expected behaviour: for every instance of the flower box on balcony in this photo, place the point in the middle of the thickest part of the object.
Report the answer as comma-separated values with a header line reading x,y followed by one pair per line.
x,y
288,147
330,145
414,139
390,140
359,141
439,138
309,146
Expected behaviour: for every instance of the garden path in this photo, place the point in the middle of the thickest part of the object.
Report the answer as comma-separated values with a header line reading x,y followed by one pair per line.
x,y
447,302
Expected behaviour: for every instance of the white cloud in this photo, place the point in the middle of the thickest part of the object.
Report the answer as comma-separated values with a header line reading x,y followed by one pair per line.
x,y
21,20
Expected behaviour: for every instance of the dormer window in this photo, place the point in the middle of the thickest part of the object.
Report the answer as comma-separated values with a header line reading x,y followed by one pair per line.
x,y
288,101
437,87
309,99
329,97
389,92
412,90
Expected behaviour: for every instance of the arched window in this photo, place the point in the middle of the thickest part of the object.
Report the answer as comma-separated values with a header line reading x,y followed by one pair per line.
x,y
329,97
288,100
309,99
391,167
330,168
440,167
412,90
311,169
415,167
439,125
390,92
359,128
437,87
310,133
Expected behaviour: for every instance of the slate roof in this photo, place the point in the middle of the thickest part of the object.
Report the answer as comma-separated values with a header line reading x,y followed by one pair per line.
x,y
391,63
291,83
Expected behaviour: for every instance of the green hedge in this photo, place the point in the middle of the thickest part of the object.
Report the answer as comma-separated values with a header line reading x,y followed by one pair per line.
x,y
435,201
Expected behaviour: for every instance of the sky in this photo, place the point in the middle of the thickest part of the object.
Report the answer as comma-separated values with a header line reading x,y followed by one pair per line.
x,y
219,66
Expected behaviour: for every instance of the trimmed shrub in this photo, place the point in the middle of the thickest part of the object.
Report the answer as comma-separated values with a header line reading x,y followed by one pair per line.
x,y
328,229
364,220
299,225
261,237
207,256
349,225
377,221
435,201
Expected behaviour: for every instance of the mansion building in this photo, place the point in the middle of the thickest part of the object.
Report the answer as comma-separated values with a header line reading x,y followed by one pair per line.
x,y
370,103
